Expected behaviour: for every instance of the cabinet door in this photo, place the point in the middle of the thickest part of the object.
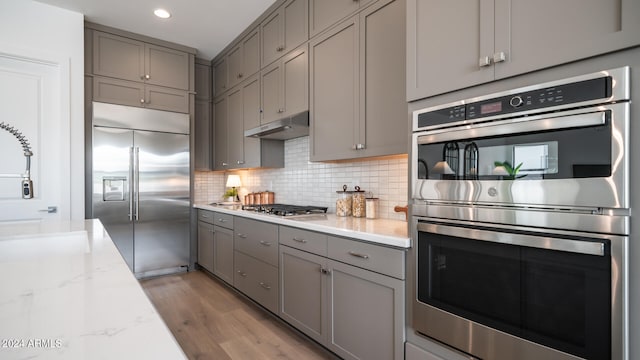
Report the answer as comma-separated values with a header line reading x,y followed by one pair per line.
x,y
167,99
435,64
118,57
205,245
223,253
234,66
250,54
367,318
235,129
220,133
120,92
295,81
203,81
303,301
384,122
272,45
534,35
202,132
324,13
272,107
334,82
296,24
251,119
220,77
166,67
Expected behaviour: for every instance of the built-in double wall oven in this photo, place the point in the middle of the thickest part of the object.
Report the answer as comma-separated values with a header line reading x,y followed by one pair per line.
x,y
520,204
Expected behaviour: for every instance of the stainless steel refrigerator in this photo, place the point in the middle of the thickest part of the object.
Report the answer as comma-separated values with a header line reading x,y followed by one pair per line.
x,y
140,185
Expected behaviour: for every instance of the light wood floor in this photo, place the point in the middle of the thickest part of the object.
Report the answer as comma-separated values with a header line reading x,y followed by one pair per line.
x,y
211,321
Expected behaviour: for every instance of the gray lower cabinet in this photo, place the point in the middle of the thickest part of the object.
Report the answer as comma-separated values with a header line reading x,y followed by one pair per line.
x,y
223,253
357,91
503,38
205,245
256,261
340,293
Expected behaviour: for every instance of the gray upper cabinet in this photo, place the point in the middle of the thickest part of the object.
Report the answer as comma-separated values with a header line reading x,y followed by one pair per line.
x,y
202,120
127,59
236,111
243,60
220,133
285,86
488,40
324,13
131,93
357,92
283,30
220,82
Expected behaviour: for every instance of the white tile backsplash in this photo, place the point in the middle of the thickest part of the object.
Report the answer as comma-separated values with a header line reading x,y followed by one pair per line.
x,y
303,182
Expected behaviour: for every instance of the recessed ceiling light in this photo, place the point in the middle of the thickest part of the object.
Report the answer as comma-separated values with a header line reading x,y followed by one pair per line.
x,y
162,13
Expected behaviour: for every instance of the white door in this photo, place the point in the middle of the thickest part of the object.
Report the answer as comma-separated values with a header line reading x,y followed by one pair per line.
x,y
31,101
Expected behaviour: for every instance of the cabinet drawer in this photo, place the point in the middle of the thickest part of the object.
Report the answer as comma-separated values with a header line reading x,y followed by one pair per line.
x,y
257,280
206,216
223,220
257,239
368,256
310,241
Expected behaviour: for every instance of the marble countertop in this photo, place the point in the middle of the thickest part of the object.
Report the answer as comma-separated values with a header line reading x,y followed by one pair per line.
x,y
381,231
66,293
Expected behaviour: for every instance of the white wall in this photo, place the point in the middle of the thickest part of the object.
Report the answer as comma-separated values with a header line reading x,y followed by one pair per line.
x,y
302,182
44,31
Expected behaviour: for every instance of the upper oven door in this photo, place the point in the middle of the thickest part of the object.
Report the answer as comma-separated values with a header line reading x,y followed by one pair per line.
x,y
570,159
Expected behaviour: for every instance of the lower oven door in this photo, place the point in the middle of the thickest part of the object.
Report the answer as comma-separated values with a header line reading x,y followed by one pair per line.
x,y
517,293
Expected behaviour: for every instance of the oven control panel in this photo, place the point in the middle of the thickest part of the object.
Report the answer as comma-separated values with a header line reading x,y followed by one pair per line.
x,y
593,89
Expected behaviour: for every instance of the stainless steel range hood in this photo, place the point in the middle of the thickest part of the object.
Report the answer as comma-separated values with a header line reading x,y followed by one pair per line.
x,y
282,129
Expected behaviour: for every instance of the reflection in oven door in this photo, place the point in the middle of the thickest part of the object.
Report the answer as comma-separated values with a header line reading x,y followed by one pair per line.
x,y
561,291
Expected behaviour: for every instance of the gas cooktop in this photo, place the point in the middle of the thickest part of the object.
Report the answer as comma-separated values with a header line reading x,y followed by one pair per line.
x,y
285,209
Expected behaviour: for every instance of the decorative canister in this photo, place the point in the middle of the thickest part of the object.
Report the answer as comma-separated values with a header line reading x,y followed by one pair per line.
x,y
344,202
372,207
358,206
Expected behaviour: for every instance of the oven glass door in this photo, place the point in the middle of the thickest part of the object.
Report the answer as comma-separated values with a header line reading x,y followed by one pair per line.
x,y
560,299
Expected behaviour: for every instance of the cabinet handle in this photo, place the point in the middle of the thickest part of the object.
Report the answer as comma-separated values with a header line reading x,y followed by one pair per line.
x,y
141,101
147,77
280,111
243,236
222,220
325,271
225,164
241,273
265,286
265,243
205,216
360,146
499,57
240,162
484,61
240,76
280,48
299,240
362,256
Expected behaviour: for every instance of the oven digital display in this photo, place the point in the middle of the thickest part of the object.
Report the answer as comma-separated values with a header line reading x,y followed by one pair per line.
x,y
491,108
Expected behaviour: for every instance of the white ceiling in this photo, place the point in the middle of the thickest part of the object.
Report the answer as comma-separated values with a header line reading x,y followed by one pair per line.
x,y
207,25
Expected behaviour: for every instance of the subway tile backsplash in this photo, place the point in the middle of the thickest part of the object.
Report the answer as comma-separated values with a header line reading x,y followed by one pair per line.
x,y
302,182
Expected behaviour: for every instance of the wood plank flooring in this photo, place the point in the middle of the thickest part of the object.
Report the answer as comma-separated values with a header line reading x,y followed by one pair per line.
x,y
211,321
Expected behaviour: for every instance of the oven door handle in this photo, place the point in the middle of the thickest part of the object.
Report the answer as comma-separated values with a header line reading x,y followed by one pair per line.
x,y
535,241
571,119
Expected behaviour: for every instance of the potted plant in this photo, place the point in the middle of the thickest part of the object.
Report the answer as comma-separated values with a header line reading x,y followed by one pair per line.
x,y
231,194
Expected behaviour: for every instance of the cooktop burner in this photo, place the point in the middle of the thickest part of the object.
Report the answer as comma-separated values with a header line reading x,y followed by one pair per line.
x,y
286,210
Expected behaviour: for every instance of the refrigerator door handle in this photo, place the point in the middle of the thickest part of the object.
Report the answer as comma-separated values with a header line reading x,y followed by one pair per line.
x,y
131,183
136,173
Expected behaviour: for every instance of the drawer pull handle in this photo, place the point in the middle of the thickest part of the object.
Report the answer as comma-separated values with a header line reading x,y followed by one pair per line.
x,y
325,271
205,216
243,274
362,256
222,220
243,236
265,286
265,243
299,240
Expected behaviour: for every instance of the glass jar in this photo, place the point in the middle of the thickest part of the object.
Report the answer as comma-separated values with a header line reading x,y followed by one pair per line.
x,y
358,208
372,208
344,202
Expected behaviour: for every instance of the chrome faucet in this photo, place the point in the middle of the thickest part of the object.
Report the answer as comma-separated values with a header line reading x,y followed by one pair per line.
x,y
27,184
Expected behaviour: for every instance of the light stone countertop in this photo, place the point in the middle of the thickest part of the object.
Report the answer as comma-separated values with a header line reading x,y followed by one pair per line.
x,y
380,231
67,293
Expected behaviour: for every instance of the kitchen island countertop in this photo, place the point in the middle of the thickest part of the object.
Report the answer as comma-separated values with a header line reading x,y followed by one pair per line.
x,y
380,231
66,293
